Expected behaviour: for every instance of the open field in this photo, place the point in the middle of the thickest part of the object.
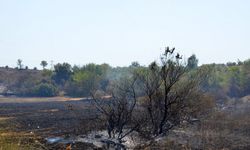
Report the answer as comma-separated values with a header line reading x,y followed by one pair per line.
x,y
37,99
44,117
26,122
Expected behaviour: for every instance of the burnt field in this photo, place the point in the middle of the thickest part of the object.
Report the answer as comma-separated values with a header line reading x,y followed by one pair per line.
x,y
46,117
29,121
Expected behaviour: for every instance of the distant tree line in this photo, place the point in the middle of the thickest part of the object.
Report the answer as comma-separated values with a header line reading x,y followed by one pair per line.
x,y
228,80
231,79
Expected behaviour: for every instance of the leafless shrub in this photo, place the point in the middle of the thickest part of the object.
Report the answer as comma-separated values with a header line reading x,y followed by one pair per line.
x,y
153,100
117,108
171,94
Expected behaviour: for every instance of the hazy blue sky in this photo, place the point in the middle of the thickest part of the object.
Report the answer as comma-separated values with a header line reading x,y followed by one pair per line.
x,y
119,32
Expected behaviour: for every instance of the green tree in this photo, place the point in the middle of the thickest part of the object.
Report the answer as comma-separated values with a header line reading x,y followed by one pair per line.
x,y
192,62
246,76
135,64
45,90
85,78
234,81
44,64
62,73
19,63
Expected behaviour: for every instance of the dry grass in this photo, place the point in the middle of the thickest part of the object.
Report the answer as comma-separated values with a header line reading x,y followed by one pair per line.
x,y
14,141
37,99
223,130
10,140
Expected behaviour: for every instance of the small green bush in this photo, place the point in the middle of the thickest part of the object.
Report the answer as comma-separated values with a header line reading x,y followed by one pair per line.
x,y
45,90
